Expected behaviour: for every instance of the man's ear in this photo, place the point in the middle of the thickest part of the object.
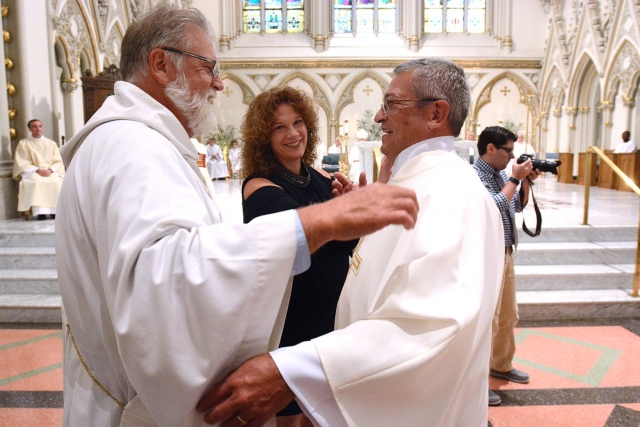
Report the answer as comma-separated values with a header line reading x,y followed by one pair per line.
x,y
160,67
438,114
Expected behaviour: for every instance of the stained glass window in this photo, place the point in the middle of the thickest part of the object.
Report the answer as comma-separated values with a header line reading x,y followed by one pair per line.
x,y
273,16
455,16
364,16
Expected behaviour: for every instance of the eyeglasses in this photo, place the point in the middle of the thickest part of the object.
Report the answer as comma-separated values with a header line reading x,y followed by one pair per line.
x,y
387,103
216,64
508,150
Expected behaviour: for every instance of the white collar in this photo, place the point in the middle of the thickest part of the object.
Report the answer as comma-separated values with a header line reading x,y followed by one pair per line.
x,y
445,143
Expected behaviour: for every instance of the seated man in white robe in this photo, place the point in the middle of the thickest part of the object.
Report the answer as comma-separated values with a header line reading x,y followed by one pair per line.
x,y
413,327
354,164
626,145
216,166
162,298
38,166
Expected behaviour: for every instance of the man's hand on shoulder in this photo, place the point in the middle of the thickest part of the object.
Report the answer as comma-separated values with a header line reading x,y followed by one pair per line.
x,y
358,213
251,395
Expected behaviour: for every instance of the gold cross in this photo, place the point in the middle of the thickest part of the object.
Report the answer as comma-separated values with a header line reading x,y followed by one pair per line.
x,y
227,91
505,91
367,90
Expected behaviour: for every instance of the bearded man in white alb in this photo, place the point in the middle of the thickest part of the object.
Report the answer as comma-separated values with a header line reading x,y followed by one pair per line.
x,y
413,327
161,298
38,166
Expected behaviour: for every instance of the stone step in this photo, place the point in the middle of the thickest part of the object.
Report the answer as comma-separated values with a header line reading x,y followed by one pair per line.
x,y
41,281
586,304
574,277
27,258
22,239
30,308
563,253
579,233
541,305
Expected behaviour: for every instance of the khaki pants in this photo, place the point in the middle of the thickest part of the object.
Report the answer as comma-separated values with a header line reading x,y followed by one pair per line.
x,y
503,345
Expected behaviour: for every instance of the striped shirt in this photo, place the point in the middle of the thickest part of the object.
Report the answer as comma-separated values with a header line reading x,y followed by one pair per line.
x,y
489,178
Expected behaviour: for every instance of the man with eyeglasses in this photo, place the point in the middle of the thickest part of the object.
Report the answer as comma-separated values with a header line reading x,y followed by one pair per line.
x,y
162,298
413,325
495,148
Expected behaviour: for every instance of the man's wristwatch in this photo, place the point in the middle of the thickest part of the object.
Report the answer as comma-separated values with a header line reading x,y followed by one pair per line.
x,y
515,181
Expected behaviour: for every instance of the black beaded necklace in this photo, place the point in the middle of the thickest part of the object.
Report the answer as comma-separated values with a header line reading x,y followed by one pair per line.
x,y
294,178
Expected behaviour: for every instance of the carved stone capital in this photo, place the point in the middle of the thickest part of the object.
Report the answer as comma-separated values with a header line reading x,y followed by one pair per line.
x,y
69,85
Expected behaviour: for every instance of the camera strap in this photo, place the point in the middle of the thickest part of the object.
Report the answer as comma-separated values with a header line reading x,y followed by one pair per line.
x,y
535,206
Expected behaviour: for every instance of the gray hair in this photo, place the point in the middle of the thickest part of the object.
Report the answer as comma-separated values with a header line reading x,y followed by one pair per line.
x,y
442,79
162,26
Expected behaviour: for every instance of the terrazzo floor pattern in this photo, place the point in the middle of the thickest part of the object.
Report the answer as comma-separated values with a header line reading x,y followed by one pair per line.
x,y
583,373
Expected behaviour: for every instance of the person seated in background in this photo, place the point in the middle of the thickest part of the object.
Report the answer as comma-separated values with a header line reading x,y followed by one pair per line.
x,y
335,148
216,166
38,166
626,146
280,131
234,159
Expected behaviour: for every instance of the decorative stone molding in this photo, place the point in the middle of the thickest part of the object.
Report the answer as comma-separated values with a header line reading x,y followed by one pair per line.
x,y
69,85
236,64
247,93
71,27
346,97
624,72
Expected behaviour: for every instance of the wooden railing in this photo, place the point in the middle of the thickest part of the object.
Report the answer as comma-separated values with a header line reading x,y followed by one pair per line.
x,y
630,183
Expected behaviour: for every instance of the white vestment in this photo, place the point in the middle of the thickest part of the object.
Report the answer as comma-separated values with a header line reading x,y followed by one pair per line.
x,y
234,159
216,166
354,164
413,327
625,147
36,192
162,299
334,149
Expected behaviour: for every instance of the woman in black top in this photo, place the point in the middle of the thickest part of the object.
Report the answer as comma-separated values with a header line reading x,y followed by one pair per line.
x,y
280,133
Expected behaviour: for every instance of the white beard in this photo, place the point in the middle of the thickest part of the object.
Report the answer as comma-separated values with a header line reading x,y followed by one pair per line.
x,y
196,107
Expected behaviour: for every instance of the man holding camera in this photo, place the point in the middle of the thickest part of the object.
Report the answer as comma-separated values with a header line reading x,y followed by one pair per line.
x,y
495,148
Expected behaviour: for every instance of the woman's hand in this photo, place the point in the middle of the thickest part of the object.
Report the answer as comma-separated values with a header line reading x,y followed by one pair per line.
x,y
342,185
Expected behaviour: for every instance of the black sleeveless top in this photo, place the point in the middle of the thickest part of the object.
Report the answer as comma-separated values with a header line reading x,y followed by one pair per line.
x,y
315,292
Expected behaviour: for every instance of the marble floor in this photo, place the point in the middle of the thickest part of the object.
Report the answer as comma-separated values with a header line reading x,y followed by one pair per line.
x,y
583,373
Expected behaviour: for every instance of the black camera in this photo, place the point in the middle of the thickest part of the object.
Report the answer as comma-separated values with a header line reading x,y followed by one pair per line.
x,y
542,165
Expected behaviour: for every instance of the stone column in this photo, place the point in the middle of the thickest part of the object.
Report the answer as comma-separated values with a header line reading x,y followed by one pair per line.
x,y
319,19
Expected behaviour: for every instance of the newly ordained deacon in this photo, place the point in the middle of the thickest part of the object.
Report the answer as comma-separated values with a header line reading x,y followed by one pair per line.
x,y
413,325
38,166
161,299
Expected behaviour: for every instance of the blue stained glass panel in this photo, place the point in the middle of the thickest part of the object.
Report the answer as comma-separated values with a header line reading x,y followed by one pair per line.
x,y
384,3
433,3
343,2
455,3
342,20
364,20
476,22
251,19
251,4
295,21
295,3
273,20
387,20
365,3
433,20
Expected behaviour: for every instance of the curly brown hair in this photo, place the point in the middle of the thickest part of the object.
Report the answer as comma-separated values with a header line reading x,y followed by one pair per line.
x,y
257,155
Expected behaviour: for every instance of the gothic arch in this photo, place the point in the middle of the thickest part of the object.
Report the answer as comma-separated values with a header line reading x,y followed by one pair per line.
x,y
585,67
624,73
319,95
527,95
346,97
247,93
64,59
553,91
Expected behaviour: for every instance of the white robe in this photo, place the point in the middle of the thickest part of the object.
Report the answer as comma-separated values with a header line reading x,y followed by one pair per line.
x,y
625,147
413,334
234,159
354,164
163,300
35,192
216,166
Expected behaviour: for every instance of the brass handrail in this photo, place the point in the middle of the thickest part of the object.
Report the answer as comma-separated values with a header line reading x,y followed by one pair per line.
x,y
630,183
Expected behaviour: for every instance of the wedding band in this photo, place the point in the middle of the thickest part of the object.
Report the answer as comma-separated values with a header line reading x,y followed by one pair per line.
x,y
243,422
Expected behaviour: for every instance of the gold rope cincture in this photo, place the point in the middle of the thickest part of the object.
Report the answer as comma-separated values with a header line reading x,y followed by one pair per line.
x,y
86,368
